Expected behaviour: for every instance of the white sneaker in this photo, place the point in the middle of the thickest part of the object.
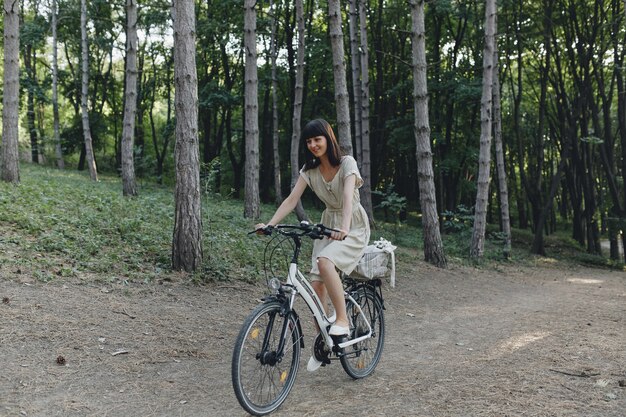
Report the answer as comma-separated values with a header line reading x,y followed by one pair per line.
x,y
313,364
336,330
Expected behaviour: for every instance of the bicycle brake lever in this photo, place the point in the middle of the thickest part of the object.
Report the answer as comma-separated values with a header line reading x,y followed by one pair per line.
x,y
267,231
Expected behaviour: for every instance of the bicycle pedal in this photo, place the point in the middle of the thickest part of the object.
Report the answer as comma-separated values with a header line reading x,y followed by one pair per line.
x,y
337,340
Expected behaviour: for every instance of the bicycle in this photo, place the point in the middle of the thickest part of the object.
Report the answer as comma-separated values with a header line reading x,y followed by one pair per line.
x,y
268,348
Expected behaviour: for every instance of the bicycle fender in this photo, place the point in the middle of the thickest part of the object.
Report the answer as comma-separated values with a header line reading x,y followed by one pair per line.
x,y
284,301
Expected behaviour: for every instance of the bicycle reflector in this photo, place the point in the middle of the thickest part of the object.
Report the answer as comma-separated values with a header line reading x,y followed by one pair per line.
x,y
274,284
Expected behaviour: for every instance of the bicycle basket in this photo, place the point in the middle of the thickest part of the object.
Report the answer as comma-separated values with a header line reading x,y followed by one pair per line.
x,y
378,261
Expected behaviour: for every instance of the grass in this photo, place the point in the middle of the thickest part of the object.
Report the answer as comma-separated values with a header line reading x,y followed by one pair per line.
x,y
60,224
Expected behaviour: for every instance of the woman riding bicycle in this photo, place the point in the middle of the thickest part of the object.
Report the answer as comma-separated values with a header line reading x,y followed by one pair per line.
x,y
335,179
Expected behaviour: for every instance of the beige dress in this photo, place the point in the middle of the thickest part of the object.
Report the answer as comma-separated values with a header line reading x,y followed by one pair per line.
x,y
346,253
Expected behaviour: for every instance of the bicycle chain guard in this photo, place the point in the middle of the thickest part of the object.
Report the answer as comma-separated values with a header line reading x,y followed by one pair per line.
x,y
320,351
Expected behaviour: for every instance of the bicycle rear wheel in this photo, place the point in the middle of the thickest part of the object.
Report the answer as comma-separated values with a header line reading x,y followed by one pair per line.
x,y
262,372
360,359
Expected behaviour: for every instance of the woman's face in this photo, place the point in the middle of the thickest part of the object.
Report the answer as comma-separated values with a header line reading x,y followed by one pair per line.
x,y
317,145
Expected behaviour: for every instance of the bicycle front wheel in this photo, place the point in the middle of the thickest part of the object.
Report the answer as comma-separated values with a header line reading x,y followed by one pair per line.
x,y
265,359
360,359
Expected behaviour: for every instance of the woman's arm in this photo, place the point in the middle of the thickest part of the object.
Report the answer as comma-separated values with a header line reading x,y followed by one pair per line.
x,y
288,203
349,184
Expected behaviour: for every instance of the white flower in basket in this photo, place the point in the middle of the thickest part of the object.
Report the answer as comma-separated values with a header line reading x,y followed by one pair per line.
x,y
378,261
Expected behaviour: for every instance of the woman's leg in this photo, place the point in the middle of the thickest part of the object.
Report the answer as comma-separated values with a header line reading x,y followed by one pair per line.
x,y
333,285
320,290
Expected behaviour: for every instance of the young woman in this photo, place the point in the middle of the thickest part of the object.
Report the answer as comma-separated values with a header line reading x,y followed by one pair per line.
x,y
335,179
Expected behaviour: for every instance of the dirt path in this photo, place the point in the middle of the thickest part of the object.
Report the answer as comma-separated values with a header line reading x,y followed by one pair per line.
x,y
461,342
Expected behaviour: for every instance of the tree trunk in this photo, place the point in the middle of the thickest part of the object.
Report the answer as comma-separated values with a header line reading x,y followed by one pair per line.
x,y
517,81
10,168
355,62
621,117
433,246
266,146
30,103
129,185
538,246
231,154
89,154
275,138
379,90
187,239
484,159
297,107
366,165
502,182
342,101
55,95
140,131
251,187
534,186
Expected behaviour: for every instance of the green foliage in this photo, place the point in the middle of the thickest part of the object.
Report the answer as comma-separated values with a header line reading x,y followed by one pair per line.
x,y
400,234
401,135
441,7
390,202
33,31
458,221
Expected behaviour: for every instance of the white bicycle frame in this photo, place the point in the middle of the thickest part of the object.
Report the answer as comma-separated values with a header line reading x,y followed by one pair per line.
x,y
298,284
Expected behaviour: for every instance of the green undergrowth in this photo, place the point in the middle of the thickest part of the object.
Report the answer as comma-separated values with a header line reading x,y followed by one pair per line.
x,y
57,224
60,224
64,224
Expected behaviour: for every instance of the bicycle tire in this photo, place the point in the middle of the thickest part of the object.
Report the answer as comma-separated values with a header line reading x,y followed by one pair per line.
x,y
262,380
360,359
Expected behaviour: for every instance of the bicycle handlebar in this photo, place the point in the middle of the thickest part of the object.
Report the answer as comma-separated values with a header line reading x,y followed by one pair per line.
x,y
314,231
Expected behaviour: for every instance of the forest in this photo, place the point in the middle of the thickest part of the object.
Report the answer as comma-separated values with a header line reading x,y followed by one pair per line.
x,y
93,86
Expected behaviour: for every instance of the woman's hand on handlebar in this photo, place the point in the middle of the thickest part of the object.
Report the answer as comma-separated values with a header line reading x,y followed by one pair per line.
x,y
338,234
263,229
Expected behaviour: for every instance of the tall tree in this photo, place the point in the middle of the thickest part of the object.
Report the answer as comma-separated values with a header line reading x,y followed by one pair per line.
x,y
484,160
55,82
355,61
187,239
365,160
10,169
275,136
618,52
433,245
517,90
342,100
129,185
297,106
251,106
89,154
533,179
497,133
29,43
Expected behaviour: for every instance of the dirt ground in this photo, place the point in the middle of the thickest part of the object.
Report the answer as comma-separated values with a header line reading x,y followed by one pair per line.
x,y
511,341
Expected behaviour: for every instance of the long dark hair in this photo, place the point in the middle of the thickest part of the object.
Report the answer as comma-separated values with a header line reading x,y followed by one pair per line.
x,y
320,127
